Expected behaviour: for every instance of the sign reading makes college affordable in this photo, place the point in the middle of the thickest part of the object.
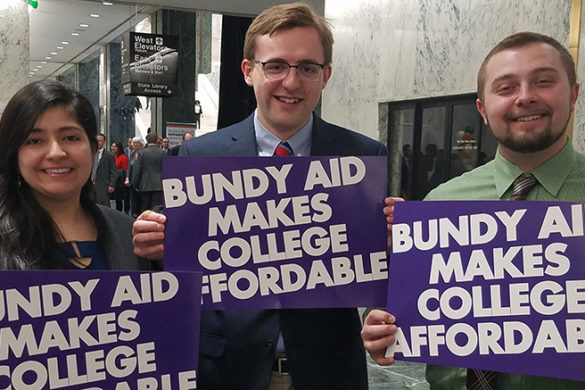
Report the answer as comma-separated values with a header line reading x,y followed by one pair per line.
x,y
490,285
279,232
99,330
149,64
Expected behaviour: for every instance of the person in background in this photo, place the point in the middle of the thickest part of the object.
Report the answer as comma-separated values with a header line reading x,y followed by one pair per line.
x,y
149,173
48,217
287,61
165,145
527,90
131,181
198,112
128,148
175,149
104,172
120,194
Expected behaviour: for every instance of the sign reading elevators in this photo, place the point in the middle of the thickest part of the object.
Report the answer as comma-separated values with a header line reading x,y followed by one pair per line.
x,y
149,64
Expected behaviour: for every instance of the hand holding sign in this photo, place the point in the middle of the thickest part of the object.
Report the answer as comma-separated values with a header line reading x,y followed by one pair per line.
x,y
377,334
148,235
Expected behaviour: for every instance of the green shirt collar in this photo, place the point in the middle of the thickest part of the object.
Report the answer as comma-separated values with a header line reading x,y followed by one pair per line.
x,y
550,175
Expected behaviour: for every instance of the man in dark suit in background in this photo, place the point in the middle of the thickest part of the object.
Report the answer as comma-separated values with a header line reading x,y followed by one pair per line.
x,y
104,172
287,60
149,173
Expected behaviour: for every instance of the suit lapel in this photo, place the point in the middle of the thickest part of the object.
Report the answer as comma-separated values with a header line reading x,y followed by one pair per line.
x,y
323,139
242,140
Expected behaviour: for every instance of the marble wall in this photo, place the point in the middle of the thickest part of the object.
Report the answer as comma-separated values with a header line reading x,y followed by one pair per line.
x,y
14,48
392,50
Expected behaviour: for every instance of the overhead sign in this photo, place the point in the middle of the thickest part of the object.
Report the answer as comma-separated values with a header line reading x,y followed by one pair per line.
x,y
149,64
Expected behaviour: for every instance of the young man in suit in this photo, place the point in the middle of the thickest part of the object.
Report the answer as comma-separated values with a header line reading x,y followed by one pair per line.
x,y
104,172
527,90
287,60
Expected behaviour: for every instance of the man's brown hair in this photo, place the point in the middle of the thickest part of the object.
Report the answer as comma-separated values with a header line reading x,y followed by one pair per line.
x,y
522,39
287,16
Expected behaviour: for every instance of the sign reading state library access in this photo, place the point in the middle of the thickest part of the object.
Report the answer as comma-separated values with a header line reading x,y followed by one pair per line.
x,y
491,285
99,330
279,232
149,64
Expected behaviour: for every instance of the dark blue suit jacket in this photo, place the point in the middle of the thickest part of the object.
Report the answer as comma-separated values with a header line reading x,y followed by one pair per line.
x,y
323,346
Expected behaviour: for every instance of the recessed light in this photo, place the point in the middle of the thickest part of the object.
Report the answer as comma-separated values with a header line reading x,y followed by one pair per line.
x,y
60,47
75,34
94,15
84,25
64,43
48,58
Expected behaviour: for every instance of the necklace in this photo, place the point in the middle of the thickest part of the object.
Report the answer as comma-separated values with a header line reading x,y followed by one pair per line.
x,y
78,260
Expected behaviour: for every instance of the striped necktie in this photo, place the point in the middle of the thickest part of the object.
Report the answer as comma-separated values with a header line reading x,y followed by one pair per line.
x,y
485,379
283,150
522,186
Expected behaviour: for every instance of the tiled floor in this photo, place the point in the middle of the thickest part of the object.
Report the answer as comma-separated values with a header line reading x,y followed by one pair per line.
x,y
399,376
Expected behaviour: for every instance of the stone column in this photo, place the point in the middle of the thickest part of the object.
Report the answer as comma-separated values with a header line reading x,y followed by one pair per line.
x,y
14,48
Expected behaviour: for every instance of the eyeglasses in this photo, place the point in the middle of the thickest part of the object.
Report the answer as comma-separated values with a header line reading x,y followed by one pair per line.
x,y
276,70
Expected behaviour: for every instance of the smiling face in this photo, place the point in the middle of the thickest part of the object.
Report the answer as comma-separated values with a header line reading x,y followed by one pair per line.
x,y
527,101
285,106
56,158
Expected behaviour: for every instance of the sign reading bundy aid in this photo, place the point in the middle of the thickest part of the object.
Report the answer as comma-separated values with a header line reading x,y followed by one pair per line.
x,y
279,232
490,285
149,64
99,330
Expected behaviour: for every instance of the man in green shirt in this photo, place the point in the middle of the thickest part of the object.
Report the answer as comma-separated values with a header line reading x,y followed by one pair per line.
x,y
527,91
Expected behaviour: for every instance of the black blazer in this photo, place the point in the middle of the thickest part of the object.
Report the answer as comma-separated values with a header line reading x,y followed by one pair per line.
x,y
324,347
105,177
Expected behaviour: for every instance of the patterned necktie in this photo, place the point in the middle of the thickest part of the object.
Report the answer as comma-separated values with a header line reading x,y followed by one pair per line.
x,y
485,379
283,150
522,186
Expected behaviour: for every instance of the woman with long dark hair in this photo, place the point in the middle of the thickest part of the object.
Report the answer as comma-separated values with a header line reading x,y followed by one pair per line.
x,y
48,217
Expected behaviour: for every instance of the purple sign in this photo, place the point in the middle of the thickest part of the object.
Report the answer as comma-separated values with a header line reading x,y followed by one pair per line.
x,y
99,330
490,285
279,232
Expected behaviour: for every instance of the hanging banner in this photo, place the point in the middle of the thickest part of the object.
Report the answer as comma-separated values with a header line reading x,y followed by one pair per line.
x,y
99,330
490,285
149,64
279,232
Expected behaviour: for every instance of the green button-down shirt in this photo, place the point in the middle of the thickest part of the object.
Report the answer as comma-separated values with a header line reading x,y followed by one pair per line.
x,y
562,178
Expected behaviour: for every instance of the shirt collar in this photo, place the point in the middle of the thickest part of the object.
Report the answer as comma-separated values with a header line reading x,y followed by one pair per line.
x,y
550,175
267,142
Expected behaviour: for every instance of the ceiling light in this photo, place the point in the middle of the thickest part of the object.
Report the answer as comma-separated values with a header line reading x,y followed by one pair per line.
x,y
39,66
60,47
48,58
75,34
43,62
64,43
53,53
94,15
107,3
84,25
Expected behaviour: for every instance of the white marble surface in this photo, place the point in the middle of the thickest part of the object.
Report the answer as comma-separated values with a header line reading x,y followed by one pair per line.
x,y
579,118
392,50
14,48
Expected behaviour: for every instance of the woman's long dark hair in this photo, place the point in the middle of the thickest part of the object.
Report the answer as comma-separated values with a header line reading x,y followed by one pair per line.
x,y
28,235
